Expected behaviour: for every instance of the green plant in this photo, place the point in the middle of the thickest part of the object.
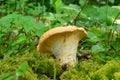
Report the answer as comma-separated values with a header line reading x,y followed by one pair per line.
x,y
101,37
103,73
19,33
22,22
22,68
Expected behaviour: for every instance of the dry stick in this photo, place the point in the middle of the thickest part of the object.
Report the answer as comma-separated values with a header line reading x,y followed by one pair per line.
x,y
75,19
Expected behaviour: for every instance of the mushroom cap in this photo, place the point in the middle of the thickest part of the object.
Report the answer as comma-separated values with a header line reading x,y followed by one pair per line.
x,y
49,37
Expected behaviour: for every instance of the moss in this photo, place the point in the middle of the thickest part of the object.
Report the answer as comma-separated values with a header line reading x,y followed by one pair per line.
x,y
28,75
95,68
107,71
73,74
43,77
117,75
83,70
44,67
40,64
90,66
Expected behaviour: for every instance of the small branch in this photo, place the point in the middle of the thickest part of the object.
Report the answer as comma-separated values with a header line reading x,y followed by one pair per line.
x,y
75,19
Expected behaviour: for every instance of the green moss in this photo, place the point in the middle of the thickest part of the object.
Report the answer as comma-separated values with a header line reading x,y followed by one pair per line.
x,y
44,67
40,64
73,74
117,75
107,71
28,75
93,69
43,77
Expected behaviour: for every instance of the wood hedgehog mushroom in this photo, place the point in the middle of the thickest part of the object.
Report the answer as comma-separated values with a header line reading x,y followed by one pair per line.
x,y
62,42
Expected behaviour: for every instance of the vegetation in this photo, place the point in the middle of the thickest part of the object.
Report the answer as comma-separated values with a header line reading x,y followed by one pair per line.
x,y
22,22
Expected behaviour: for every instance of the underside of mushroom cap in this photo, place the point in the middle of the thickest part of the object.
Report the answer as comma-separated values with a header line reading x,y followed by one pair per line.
x,y
59,31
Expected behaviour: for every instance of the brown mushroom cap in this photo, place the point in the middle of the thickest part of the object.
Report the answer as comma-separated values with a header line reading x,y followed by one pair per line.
x,y
62,42
58,31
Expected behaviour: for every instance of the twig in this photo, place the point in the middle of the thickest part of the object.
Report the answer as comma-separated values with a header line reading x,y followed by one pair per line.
x,y
82,7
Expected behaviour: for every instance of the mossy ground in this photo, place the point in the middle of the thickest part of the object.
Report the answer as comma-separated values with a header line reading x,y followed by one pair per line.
x,y
44,67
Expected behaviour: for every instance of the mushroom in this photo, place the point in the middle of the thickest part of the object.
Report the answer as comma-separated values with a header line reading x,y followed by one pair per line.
x,y
62,42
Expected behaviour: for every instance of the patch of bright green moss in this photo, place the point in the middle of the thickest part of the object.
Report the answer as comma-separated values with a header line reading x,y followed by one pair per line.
x,y
73,74
117,75
93,69
108,71
39,65
44,67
